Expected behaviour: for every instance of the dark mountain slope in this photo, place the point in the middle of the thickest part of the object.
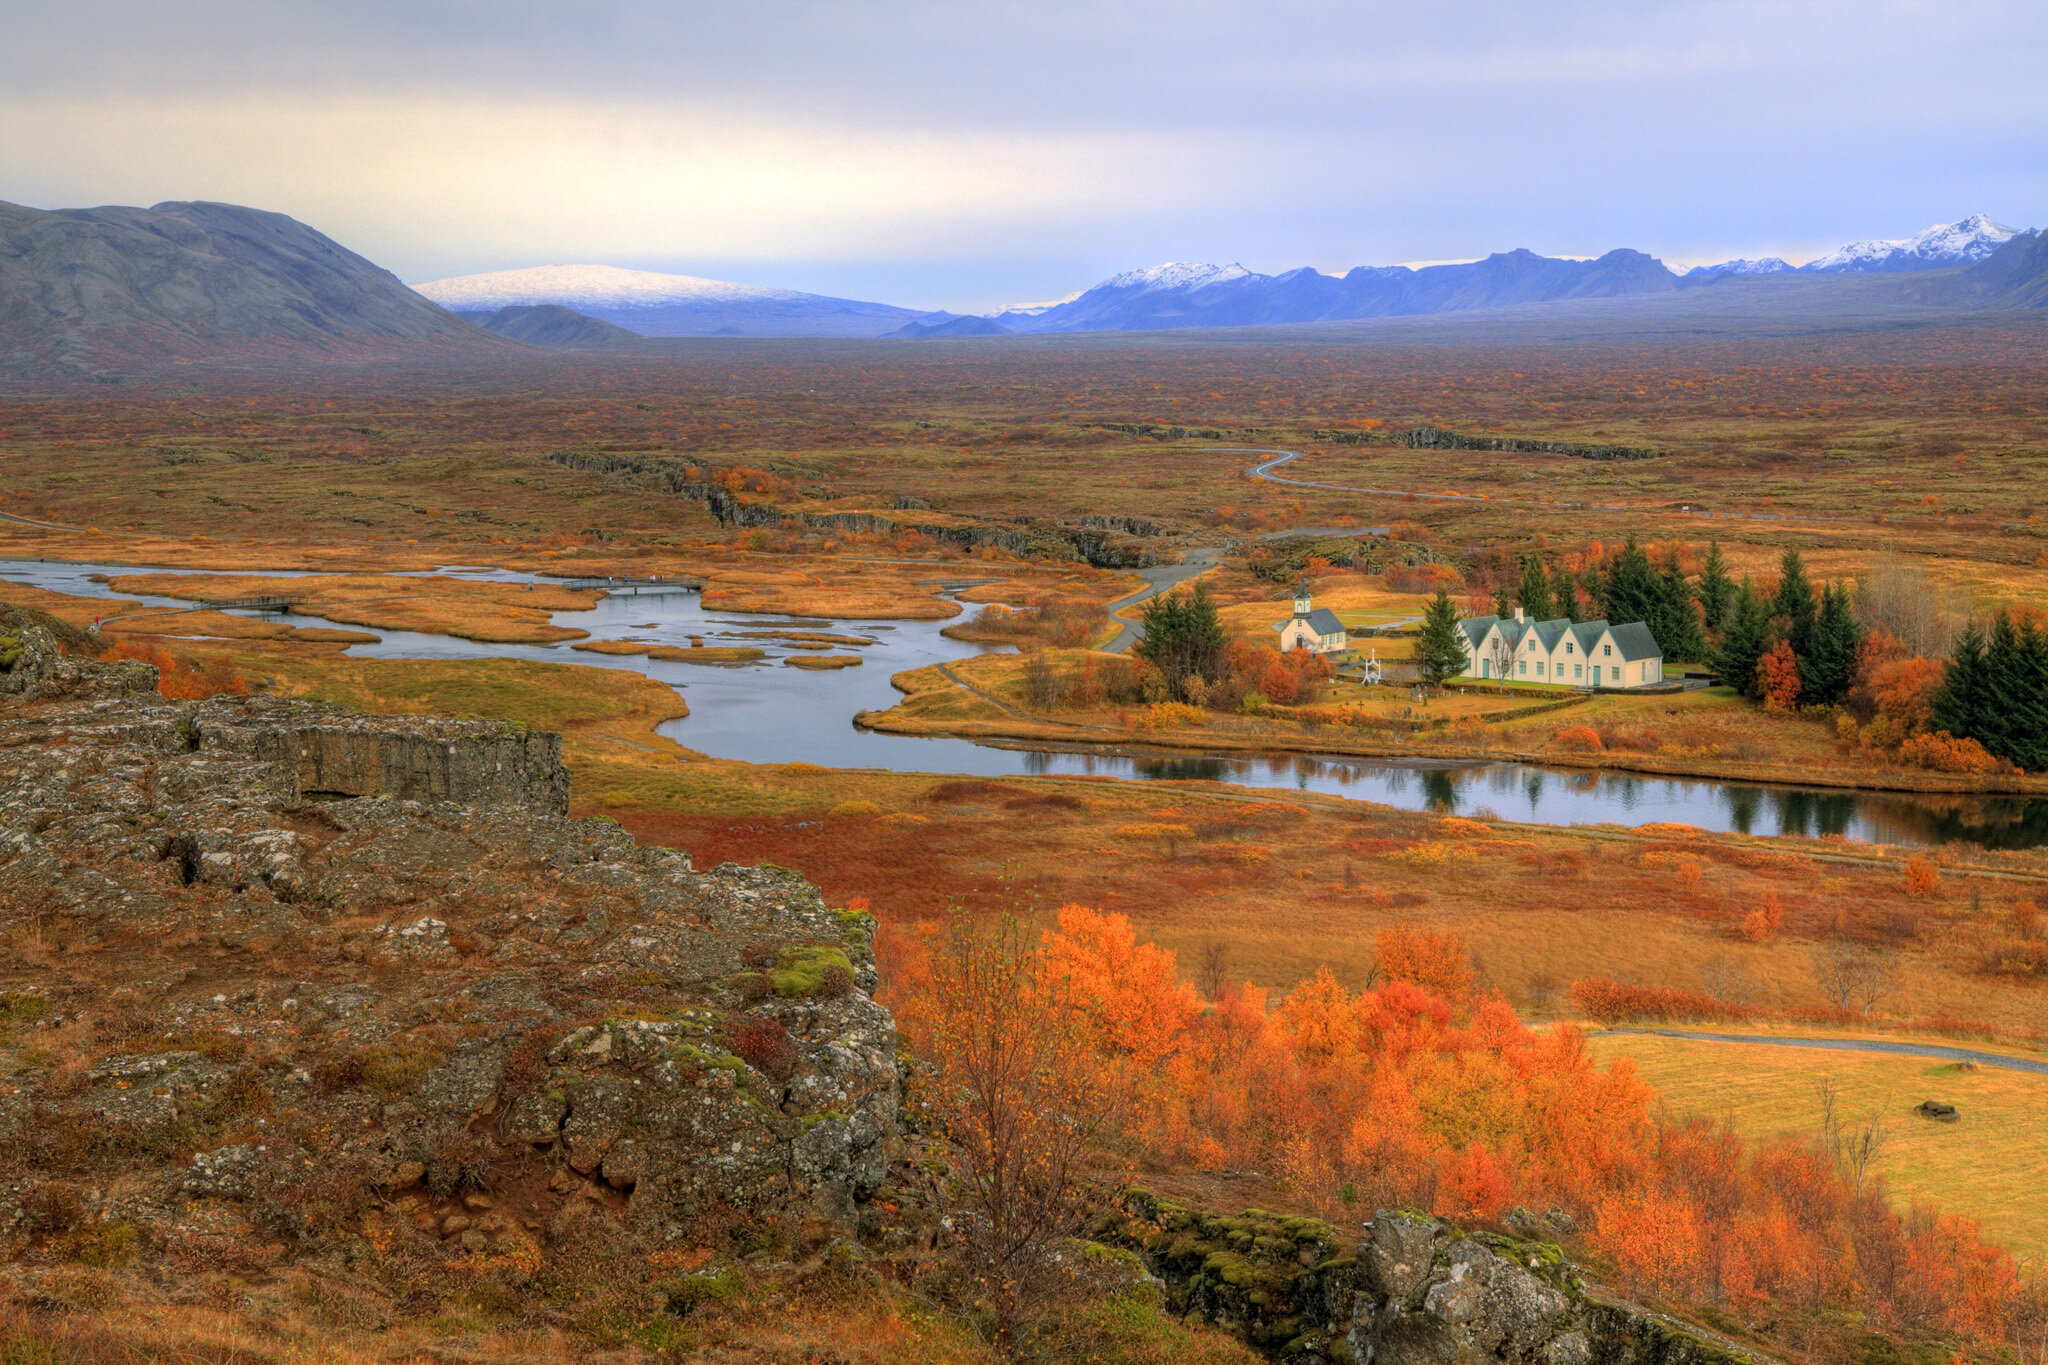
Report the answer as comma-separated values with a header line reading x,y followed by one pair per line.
x,y
2014,276
86,288
556,327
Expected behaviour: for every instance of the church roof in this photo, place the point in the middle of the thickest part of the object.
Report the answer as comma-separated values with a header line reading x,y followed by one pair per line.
x,y
1322,621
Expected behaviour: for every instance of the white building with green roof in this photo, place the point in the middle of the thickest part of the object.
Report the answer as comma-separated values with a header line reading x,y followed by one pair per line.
x,y
1563,653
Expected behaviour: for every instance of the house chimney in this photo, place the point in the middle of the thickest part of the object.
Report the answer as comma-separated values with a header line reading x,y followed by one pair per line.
x,y
1518,613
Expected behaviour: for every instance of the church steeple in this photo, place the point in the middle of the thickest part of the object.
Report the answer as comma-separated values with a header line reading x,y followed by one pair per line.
x,y
1301,600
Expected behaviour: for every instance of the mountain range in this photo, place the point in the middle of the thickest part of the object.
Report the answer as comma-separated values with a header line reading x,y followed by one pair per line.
x,y
96,290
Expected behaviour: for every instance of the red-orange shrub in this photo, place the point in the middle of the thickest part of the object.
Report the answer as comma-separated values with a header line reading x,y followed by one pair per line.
x,y
1578,738
1944,753
1922,877
1615,1001
1762,924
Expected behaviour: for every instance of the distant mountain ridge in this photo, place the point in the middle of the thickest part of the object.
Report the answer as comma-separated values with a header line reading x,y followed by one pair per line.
x,y
1182,294
1193,294
81,289
653,304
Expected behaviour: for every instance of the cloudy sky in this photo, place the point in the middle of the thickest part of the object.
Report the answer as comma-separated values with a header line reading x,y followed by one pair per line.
x,y
977,153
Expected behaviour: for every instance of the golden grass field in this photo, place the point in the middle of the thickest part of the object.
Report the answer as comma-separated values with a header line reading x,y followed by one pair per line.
x,y
1991,1165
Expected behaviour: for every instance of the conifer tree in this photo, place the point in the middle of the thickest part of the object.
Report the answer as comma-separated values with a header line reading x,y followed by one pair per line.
x,y
1504,601
2011,716
1960,704
1676,627
1829,664
1564,595
1716,590
1183,638
1534,594
1440,652
1746,628
1591,604
1629,591
1794,600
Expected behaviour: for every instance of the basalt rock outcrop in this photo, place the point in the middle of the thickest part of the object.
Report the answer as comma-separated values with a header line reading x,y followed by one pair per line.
x,y
271,964
1413,1290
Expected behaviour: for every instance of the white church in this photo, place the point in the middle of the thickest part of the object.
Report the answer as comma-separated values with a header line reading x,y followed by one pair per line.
x,y
1312,628
1561,652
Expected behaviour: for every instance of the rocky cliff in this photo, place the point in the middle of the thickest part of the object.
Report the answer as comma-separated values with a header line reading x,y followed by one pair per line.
x,y
270,964
1413,1290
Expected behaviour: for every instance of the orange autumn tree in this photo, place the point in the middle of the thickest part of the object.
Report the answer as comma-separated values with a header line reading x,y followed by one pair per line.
x,y
1778,677
1397,1096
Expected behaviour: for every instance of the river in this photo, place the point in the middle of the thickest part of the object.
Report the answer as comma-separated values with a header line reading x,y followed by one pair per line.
x,y
768,713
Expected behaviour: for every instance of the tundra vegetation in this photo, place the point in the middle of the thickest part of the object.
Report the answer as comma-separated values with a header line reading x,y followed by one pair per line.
x,y
1352,1034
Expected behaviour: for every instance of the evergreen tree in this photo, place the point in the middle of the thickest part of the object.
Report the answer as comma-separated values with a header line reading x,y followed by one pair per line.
x,y
1564,595
1589,594
1534,594
2012,717
1675,625
1440,652
1716,590
1630,591
1504,601
1794,601
1746,627
1959,706
1829,664
1183,638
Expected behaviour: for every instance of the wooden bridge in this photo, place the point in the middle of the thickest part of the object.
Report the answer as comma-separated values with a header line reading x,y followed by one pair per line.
x,y
249,604
634,587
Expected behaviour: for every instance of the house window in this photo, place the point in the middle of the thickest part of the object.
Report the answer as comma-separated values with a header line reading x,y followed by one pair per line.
x,y
1607,651
1539,668
1525,668
1567,646
1576,668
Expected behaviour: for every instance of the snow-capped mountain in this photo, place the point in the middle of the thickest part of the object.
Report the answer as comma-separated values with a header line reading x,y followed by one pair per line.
x,y
1766,265
656,304
1176,275
1944,244
575,285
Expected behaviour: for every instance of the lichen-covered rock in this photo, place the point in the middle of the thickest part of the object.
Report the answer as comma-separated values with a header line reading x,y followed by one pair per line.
x,y
318,972
1414,1291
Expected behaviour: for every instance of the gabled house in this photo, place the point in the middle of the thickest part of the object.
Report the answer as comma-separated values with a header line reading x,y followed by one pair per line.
x,y
1563,653
1312,628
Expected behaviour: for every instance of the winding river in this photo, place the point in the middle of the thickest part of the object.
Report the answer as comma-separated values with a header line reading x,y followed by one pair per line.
x,y
768,713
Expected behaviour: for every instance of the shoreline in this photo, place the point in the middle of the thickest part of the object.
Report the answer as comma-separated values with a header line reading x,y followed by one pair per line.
x,y
1024,730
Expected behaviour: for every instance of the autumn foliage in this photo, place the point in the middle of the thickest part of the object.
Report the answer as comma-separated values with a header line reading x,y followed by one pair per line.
x,y
184,679
1422,1092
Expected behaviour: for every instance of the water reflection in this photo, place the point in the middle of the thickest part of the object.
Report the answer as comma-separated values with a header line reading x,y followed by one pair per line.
x,y
773,714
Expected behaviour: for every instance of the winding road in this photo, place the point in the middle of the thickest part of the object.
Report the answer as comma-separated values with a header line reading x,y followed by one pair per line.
x,y
1158,579
1264,470
1935,1050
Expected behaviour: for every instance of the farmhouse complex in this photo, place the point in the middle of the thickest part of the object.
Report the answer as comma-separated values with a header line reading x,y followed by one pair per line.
x,y
1568,653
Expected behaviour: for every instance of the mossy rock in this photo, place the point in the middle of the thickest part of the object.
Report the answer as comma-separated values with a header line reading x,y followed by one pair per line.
x,y
799,972
10,652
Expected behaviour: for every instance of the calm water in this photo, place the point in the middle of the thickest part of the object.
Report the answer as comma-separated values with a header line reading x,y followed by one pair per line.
x,y
769,713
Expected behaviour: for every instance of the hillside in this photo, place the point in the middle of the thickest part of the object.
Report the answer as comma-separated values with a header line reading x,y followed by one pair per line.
x,y
87,289
555,327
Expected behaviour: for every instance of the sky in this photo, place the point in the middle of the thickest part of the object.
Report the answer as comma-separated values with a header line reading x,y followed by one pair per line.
x,y
969,154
